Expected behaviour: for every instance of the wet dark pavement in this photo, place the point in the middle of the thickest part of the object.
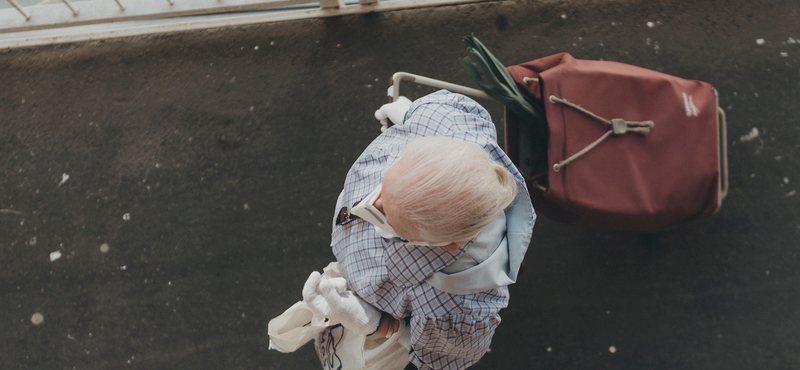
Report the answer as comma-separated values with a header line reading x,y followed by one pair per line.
x,y
226,150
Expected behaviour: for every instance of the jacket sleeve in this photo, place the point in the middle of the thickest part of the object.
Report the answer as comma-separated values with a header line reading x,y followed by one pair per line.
x,y
452,332
452,115
451,342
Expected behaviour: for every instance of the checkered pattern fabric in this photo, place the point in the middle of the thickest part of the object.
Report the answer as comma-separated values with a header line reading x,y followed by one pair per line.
x,y
447,331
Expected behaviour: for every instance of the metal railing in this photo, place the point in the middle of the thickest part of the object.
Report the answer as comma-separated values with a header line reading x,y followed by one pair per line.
x,y
47,15
59,21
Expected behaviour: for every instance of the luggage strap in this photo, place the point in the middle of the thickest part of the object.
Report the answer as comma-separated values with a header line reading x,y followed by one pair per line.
x,y
616,126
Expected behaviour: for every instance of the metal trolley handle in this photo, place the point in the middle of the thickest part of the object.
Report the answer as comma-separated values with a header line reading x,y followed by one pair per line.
x,y
394,89
723,155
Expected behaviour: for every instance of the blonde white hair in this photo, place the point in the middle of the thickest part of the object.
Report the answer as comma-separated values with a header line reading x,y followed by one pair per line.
x,y
449,190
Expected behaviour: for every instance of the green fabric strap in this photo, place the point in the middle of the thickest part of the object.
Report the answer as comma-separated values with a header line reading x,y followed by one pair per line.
x,y
495,80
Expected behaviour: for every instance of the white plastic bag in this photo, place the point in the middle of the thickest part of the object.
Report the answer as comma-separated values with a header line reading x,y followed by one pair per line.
x,y
298,325
342,349
337,347
293,328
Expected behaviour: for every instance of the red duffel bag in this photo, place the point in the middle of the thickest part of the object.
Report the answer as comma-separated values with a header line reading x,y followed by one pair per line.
x,y
628,148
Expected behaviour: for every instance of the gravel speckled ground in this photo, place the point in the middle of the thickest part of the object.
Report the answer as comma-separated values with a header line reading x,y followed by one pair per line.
x,y
188,182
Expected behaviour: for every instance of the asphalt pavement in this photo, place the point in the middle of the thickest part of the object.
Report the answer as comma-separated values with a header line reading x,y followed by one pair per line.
x,y
164,197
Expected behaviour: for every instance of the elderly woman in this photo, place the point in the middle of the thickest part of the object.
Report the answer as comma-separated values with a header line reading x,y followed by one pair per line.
x,y
431,227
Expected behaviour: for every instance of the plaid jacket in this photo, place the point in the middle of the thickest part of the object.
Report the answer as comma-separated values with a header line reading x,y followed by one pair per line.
x,y
447,331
